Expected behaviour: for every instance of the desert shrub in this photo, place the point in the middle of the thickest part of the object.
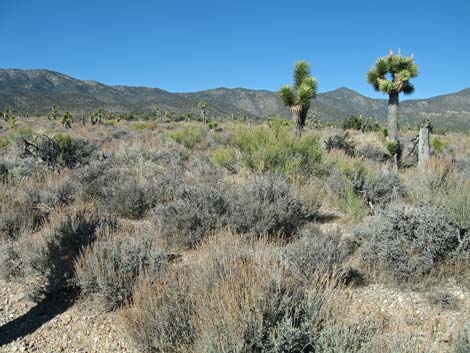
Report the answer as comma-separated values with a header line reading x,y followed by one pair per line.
x,y
317,252
384,188
225,158
443,299
109,267
60,150
129,198
10,260
4,143
348,181
438,145
353,122
340,142
129,185
454,200
272,150
372,152
61,192
195,212
19,212
138,126
408,242
240,301
51,259
268,205
462,165
187,136
3,173
462,342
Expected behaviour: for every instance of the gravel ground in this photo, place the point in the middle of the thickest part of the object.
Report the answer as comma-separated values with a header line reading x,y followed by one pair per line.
x,y
56,325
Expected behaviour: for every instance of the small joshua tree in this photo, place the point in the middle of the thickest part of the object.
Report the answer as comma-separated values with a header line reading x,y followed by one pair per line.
x,y
202,108
54,113
391,75
66,120
12,120
299,96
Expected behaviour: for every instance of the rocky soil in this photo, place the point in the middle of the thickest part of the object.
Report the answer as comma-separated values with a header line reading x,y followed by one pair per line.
x,y
56,325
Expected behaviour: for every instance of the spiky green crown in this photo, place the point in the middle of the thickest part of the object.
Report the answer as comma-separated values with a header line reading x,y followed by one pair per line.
x,y
303,90
392,73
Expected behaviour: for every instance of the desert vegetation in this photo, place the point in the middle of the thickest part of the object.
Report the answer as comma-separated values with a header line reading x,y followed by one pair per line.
x,y
270,236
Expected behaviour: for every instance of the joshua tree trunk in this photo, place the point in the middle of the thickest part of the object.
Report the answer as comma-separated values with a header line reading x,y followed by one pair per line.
x,y
296,116
423,144
393,116
393,125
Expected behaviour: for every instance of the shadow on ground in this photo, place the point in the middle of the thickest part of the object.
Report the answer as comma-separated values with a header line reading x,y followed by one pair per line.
x,y
44,311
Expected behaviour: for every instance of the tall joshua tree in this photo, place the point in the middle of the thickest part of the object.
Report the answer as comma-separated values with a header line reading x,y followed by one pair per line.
x,y
202,108
391,75
299,96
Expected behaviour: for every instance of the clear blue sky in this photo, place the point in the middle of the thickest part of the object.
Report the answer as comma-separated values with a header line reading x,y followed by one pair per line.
x,y
183,45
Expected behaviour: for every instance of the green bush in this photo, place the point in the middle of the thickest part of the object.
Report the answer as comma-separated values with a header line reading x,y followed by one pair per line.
x,y
212,124
225,158
438,145
138,126
263,149
187,136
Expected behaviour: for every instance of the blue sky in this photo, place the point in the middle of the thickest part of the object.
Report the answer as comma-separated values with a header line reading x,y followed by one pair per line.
x,y
184,45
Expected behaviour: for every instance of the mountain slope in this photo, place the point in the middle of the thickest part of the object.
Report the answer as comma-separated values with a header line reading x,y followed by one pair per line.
x,y
34,92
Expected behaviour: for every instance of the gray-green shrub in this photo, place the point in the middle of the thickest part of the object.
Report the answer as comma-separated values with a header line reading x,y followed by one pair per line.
x,y
51,259
408,241
109,267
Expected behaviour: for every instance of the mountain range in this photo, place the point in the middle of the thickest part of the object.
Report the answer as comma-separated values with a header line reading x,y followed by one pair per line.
x,y
33,92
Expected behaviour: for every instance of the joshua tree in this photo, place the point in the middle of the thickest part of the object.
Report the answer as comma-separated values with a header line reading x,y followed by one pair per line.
x,y
54,113
12,120
66,120
6,114
299,96
202,108
391,75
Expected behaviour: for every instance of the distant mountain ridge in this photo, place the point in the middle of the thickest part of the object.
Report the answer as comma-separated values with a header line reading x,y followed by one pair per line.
x,y
35,91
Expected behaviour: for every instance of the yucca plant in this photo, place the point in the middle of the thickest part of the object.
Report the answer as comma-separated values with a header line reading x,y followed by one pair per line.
x,y
391,75
298,97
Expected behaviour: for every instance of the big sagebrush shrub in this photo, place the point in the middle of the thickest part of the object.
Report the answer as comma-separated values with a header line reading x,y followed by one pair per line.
x,y
384,188
195,212
268,205
49,256
408,241
317,252
109,267
233,298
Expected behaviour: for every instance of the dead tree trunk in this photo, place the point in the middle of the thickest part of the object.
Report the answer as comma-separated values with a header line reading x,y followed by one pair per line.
x,y
423,144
